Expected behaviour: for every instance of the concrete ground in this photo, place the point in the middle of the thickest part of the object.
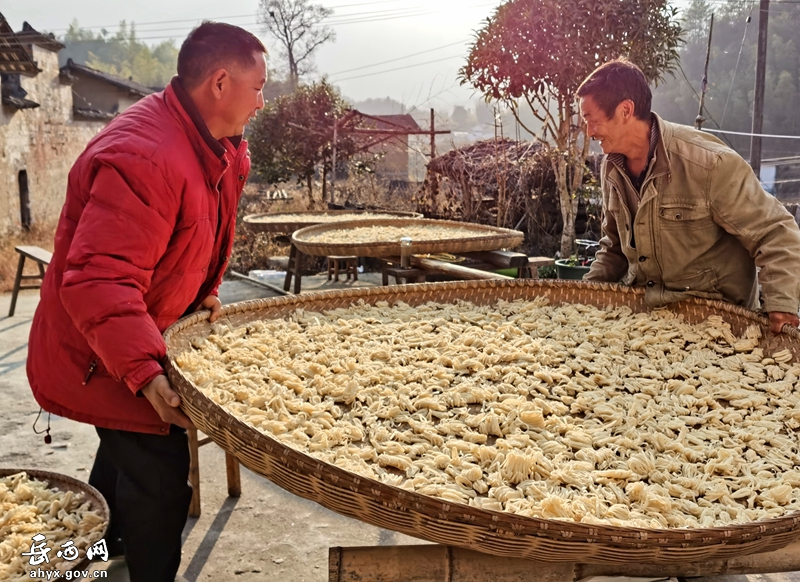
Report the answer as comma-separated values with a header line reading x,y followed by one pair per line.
x,y
266,534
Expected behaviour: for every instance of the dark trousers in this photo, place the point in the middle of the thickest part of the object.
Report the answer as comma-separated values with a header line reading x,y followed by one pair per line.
x,y
144,478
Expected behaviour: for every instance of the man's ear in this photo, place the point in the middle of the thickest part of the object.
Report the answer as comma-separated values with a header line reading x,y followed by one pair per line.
x,y
627,109
220,79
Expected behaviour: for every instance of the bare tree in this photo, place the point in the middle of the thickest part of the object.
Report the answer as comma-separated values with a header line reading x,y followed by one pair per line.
x,y
296,25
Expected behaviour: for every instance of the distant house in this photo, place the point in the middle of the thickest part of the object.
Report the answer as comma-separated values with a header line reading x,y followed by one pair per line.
x,y
46,119
781,178
97,94
395,146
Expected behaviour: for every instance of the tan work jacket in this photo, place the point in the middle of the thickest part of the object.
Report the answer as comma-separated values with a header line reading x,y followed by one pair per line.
x,y
703,226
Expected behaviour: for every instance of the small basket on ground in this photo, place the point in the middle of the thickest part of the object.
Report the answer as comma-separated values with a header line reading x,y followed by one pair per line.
x,y
66,483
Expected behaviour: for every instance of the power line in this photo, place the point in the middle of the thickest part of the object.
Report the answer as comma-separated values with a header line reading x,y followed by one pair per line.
x,y
736,68
154,22
399,68
725,131
685,78
249,25
400,58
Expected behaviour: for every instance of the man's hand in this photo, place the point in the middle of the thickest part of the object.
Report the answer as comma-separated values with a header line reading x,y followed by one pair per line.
x,y
166,402
213,303
777,319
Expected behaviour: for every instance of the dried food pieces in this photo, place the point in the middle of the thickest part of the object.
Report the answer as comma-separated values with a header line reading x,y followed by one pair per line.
x,y
377,234
28,507
321,217
572,412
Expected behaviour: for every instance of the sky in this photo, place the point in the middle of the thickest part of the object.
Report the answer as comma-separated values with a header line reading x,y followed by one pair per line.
x,y
409,50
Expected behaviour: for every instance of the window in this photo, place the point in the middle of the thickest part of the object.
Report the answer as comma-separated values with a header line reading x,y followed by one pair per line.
x,y
24,201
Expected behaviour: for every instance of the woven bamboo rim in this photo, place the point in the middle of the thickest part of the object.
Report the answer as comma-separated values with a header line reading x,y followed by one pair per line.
x,y
289,226
492,238
439,521
67,483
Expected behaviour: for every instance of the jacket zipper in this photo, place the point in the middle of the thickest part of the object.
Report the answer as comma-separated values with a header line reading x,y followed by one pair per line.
x,y
92,368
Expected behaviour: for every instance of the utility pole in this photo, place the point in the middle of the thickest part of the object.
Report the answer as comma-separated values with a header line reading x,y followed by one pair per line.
x,y
758,102
433,137
333,156
698,121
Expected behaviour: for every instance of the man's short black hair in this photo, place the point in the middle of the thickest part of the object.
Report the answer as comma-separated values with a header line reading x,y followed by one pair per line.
x,y
614,82
212,46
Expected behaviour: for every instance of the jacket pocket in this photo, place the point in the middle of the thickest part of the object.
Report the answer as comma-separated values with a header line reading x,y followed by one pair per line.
x,y
702,284
682,215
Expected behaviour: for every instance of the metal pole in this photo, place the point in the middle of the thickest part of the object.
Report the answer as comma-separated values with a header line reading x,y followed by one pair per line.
x,y
698,121
333,162
433,137
758,102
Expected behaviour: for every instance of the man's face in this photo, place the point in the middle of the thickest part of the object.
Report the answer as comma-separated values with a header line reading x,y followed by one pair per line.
x,y
611,133
245,99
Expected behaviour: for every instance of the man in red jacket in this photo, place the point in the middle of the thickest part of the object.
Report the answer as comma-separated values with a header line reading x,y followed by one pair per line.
x,y
144,238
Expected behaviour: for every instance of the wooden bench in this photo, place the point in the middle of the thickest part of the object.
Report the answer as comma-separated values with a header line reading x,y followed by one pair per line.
x,y
42,259
231,468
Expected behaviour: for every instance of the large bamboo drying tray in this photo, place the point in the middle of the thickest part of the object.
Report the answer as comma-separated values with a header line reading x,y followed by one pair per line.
x,y
491,238
277,224
67,483
436,520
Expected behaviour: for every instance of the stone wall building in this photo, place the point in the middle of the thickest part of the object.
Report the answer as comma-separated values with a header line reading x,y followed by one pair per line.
x,y
47,117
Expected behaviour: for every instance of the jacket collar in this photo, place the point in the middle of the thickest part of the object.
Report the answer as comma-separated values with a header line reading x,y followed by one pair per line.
x,y
212,153
661,166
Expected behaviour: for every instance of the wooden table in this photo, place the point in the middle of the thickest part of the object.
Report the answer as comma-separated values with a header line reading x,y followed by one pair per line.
x,y
483,265
435,563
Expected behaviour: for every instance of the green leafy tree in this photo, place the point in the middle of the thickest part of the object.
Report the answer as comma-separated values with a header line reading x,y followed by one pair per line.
x,y
533,54
293,136
122,54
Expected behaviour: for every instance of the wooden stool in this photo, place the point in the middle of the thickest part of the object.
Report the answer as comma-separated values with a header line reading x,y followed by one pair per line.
x,y
231,467
42,258
401,275
531,270
350,267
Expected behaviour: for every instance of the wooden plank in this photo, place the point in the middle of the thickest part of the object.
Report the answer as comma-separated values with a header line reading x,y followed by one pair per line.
x,y
35,253
454,270
503,259
535,262
433,563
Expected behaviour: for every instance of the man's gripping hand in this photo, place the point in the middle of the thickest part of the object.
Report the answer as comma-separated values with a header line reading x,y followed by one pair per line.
x,y
777,319
166,402
213,303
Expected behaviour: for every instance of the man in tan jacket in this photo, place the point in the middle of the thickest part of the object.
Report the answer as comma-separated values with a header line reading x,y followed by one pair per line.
x,y
684,215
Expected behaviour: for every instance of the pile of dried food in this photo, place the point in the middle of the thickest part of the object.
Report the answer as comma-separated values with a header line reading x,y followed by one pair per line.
x,y
565,412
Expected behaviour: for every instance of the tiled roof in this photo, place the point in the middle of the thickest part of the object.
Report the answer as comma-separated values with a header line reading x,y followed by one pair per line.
x,y
29,35
19,102
93,114
14,59
72,68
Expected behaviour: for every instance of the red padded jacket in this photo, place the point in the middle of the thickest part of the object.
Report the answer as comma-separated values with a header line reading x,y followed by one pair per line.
x,y
144,236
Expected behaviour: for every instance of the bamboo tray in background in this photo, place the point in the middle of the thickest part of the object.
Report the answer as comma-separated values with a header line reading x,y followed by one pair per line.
x,y
311,218
491,238
66,483
447,523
